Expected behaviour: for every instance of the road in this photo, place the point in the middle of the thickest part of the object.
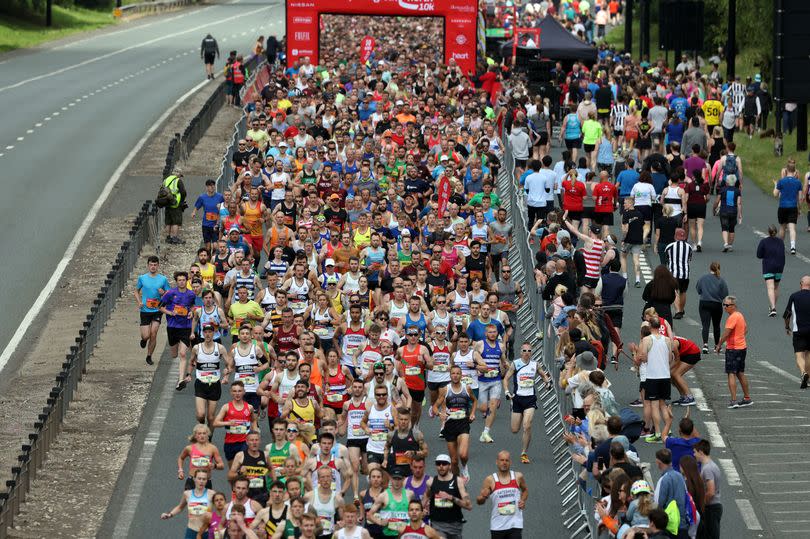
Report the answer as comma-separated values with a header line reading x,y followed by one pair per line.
x,y
71,116
758,492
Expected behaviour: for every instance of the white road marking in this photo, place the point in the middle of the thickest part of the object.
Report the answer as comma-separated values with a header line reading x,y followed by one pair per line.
x,y
49,287
730,470
20,139
700,399
141,471
10,147
748,514
37,125
714,434
780,372
47,118
56,113
131,47
29,131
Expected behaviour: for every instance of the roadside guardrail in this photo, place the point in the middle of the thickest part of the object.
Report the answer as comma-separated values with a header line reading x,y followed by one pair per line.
x,y
149,8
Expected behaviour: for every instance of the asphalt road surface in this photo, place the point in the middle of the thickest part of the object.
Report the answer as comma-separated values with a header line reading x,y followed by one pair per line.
x,y
760,449
73,113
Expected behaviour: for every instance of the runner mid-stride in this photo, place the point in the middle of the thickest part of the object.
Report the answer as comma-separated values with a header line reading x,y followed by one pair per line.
x,y
208,51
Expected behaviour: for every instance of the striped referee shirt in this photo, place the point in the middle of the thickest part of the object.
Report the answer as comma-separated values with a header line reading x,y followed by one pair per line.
x,y
618,112
737,91
679,254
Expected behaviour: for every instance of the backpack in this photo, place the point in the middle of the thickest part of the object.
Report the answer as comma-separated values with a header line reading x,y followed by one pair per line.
x,y
164,198
730,166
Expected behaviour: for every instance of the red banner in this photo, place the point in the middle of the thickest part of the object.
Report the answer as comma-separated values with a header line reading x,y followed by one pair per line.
x,y
443,191
366,48
460,24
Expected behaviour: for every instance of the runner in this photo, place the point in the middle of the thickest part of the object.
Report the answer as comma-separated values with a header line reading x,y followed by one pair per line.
x,y
378,421
416,528
274,513
177,304
455,406
238,419
209,50
509,493
149,290
206,359
202,455
324,501
412,359
252,463
687,355
390,509
524,372
797,324
248,361
787,190
199,500
402,445
351,529
489,380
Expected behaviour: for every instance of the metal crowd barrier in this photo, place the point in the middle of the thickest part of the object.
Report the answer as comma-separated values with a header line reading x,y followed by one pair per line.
x,y
226,173
149,8
49,423
182,144
578,506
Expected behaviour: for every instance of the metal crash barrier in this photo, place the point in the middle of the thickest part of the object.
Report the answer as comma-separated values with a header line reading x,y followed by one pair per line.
x,y
578,506
144,230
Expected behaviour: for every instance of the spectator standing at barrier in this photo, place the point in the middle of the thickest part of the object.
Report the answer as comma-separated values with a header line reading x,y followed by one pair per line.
x,y
173,215
209,50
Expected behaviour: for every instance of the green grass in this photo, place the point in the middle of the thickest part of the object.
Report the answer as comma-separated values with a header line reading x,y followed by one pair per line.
x,y
17,33
760,164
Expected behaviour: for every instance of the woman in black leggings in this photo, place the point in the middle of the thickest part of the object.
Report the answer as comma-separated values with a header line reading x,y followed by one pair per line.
x,y
712,289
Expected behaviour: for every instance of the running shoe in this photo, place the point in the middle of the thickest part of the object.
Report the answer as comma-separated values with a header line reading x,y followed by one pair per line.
x,y
486,438
772,313
733,404
725,247
149,360
793,250
744,402
638,283
181,385
805,378
678,315
143,343
653,439
705,348
678,402
699,248
730,248
637,404
689,400
430,412
524,458
614,360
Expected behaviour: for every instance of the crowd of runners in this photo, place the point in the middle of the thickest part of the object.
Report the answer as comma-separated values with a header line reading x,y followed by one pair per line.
x,y
342,299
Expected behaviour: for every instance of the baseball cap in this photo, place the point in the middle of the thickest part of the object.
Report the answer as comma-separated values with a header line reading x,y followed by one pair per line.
x,y
443,158
396,473
234,228
412,330
329,262
443,458
596,229
400,102
334,196
208,327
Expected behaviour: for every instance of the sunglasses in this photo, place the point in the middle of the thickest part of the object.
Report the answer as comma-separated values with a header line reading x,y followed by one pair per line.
x,y
728,305
292,430
381,395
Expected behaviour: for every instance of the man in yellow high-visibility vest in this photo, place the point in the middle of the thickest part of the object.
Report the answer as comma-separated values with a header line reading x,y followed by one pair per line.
x,y
174,211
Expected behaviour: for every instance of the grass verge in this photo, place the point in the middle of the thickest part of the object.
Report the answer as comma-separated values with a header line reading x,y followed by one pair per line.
x,y
18,33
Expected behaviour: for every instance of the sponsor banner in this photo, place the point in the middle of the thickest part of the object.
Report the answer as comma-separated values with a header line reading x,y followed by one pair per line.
x,y
366,48
461,24
443,191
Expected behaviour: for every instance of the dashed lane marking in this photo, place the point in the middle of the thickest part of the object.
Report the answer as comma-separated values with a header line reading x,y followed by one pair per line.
x,y
748,514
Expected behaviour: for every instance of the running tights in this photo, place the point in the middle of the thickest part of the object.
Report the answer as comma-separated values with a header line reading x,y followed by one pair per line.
x,y
710,311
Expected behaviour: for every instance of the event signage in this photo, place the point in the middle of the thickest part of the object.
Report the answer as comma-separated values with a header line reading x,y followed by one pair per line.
x,y
460,24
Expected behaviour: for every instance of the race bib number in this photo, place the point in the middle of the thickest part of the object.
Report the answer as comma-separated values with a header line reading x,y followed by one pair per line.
x,y
443,503
248,379
396,525
321,331
209,377
256,482
326,524
466,380
201,462
401,458
413,371
378,436
241,428
506,508
457,413
492,373
334,397
525,381
197,509
179,310
211,216
152,303
358,431
440,368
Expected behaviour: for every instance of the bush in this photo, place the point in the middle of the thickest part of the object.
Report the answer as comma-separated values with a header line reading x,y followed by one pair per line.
x,y
23,8
101,5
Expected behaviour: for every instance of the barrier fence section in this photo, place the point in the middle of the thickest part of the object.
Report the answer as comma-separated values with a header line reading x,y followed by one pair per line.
x,y
578,506
144,230
182,144
149,8
255,82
